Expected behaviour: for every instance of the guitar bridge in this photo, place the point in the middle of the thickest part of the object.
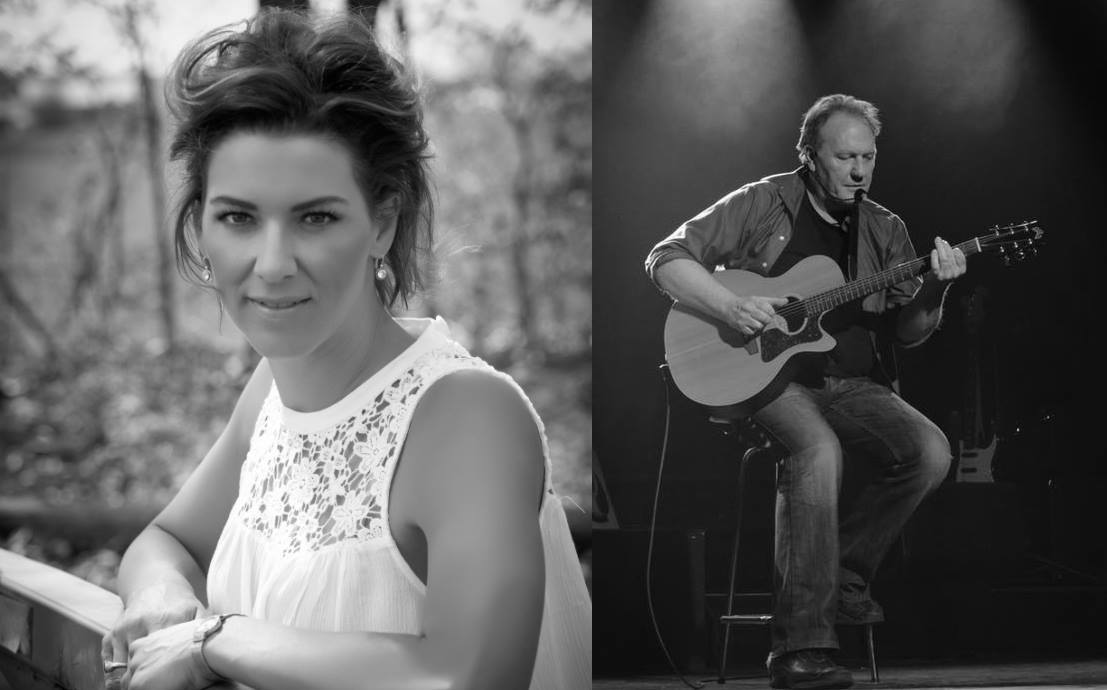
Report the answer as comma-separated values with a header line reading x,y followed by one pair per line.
x,y
776,342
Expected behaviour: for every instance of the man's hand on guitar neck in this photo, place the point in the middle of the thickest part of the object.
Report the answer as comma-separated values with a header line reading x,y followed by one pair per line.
x,y
750,315
946,262
923,314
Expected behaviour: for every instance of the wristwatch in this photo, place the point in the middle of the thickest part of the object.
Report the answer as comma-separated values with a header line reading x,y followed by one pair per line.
x,y
204,630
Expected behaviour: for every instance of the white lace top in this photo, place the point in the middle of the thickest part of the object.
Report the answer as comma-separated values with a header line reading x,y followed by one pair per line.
x,y
307,543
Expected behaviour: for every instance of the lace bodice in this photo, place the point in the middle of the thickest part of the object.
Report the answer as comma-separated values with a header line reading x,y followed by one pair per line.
x,y
310,490
308,544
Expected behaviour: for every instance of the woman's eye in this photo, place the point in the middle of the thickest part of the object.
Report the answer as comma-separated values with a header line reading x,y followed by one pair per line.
x,y
234,218
319,218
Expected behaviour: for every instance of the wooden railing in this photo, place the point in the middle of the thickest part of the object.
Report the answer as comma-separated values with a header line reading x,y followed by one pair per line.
x,y
51,624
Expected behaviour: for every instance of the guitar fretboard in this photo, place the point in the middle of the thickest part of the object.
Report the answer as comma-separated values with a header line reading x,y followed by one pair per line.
x,y
825,301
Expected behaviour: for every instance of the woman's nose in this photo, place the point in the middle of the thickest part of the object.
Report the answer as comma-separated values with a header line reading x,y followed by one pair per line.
x,y
275,260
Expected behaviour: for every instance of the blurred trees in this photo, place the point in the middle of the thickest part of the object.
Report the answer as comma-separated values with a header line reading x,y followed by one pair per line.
x,y
131,16
514,137
106,138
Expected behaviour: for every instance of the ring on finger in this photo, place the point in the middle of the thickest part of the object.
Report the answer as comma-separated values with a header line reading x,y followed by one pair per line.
x,y
110,666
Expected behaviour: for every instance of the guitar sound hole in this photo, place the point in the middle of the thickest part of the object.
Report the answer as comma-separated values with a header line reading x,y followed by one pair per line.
x,y
794,318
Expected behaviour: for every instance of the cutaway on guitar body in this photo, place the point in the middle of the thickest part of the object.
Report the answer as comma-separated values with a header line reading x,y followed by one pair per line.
x,y
716,365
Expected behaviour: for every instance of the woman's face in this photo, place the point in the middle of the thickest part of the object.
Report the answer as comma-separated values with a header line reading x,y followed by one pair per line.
x,y
291,241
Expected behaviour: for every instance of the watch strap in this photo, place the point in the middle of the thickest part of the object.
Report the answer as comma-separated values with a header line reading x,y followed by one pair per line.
x,y
204,630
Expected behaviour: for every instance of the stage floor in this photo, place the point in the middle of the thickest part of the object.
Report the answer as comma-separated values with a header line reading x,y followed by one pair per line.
x,y
1040,675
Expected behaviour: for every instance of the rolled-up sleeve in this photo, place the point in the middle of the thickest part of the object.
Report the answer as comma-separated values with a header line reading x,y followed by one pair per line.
x,y
711,236
901,250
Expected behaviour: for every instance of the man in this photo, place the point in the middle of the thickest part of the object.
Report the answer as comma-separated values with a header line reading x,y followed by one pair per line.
x,y
836,401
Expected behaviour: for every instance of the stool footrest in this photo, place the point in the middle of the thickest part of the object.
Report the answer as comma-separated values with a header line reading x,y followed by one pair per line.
x,y
746,619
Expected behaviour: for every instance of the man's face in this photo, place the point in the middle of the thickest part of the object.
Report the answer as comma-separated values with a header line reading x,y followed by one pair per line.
x,y
845,155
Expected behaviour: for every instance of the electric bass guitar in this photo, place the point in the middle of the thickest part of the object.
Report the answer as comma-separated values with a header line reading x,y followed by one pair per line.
x,y
977,445
716,365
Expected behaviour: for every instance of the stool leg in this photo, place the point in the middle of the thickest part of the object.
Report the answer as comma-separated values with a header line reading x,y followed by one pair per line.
x,y
873,673
734,561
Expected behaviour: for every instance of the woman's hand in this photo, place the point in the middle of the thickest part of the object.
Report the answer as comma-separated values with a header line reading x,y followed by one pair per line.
x,y
149,610
167,660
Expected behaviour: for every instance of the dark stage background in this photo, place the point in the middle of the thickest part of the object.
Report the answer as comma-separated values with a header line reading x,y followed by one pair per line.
x,y
990,117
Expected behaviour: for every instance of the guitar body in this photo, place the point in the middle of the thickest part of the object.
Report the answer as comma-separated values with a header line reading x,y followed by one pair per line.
x,y
716,365
975,464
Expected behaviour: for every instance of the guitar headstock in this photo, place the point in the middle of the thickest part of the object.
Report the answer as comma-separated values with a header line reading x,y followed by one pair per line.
x,y
1014,242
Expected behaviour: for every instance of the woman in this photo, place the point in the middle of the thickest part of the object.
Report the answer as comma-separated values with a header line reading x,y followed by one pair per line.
x,y
378,512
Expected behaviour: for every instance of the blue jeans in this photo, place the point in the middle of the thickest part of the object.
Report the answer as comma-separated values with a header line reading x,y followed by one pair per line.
x,y
818,553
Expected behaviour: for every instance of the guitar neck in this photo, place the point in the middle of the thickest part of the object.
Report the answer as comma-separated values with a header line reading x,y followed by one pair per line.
x,y
857,289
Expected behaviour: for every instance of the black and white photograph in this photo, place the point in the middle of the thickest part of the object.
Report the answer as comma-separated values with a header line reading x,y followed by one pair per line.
x,y
847,377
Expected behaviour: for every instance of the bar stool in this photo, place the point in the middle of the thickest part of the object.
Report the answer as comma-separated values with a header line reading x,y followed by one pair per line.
x,y
758,442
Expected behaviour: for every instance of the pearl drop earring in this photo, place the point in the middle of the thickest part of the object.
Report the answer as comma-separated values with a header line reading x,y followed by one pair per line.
x,y
382,271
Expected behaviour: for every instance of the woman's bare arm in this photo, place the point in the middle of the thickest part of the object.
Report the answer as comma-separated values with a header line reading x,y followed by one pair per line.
x,y
162,574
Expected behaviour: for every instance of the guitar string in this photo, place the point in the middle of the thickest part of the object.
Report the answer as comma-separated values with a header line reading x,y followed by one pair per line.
x,y
824,301
827,300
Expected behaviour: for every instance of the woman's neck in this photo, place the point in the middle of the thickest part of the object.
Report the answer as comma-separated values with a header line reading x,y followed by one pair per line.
x,y
326,375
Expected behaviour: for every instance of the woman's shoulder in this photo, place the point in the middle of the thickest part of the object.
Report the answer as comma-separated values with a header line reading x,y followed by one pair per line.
x,y
474,437
474,395
477,412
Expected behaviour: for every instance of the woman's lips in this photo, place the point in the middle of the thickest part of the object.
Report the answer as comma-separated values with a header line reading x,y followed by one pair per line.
x,y
278,303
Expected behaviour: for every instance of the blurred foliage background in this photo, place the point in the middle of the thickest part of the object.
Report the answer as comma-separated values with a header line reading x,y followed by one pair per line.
x,y
116,375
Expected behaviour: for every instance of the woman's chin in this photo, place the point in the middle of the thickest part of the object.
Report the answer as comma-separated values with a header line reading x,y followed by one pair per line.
x,y
272,346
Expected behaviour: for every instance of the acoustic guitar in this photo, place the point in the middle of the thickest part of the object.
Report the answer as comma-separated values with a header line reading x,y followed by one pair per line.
x,y
716,365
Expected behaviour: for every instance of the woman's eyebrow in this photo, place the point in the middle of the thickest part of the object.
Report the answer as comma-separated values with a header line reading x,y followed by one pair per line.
x,y
224,199
319,200
230,200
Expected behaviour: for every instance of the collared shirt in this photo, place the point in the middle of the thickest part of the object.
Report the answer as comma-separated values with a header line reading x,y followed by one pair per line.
x,y
750,227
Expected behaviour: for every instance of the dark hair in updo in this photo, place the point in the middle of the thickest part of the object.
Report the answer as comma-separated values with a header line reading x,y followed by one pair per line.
x,y
284,74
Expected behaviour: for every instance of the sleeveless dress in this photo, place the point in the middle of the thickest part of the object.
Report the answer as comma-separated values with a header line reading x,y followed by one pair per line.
x,y
307,543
